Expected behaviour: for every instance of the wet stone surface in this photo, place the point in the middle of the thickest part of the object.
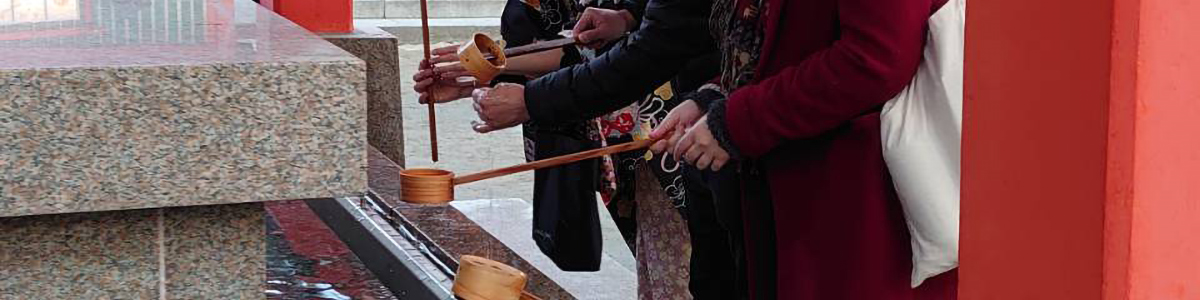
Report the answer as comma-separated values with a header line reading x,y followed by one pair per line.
x,y
306,260
451,230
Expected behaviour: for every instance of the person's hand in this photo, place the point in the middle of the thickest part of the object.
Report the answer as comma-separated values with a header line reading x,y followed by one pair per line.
x,y
443,83
597,26
700,149
673,126
500,107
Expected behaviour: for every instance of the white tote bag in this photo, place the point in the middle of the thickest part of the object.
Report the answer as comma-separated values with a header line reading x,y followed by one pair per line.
x,y
922,130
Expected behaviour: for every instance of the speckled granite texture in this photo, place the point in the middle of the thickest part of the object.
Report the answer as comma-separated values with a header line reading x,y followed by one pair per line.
x,y
203,252
245,107
111,255
451,230
215,252
385,121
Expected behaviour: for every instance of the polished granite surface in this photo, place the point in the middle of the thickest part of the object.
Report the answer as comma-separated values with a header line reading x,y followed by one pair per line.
x,y
385,112
128,104
277,250
200,252
125,33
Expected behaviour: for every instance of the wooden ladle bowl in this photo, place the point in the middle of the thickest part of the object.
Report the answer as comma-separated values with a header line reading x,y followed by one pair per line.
x,y
479,278
486,58
483,57
433,186
426,186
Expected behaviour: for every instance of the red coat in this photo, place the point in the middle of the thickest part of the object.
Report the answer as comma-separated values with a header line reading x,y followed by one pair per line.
x,y
811,117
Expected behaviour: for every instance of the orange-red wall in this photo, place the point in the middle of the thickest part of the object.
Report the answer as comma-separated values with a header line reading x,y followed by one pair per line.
x,y
1165,236
323,16
1035,120
1081,150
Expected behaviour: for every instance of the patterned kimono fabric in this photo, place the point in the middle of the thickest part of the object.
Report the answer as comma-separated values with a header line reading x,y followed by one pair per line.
x,y
649,189
654,186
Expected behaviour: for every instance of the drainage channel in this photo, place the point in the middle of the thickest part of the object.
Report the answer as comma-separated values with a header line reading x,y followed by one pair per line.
x,y
404,260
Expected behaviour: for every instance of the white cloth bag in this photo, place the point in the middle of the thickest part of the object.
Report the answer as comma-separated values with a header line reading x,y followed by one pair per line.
x,y
922,131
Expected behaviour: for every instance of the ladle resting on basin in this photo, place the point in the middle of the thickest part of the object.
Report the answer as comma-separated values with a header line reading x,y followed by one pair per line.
x,y
433,186
480,278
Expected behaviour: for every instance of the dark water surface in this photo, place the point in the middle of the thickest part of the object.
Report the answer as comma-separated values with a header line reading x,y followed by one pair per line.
x,y
306,260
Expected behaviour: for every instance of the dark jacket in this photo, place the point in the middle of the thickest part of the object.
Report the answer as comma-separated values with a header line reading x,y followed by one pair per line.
x,y
566,225
672,34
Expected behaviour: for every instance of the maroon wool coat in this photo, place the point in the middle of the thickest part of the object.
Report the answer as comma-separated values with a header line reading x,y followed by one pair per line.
x,y
811,118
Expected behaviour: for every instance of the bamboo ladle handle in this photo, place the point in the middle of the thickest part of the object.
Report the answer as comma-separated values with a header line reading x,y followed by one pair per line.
x,y
433,148
554,161
535,47
526,295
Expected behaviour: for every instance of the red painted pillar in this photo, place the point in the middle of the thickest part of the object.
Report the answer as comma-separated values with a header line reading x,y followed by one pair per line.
x,y
321,16
1081,150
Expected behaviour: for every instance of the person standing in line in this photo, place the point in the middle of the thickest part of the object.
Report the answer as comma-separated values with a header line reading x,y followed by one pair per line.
x,y
713,274
796,110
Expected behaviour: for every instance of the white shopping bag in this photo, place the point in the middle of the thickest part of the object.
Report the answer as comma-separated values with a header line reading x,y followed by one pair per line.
x,y
922,130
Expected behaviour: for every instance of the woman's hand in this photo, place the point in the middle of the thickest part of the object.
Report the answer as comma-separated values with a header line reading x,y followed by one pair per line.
x,y
673,126
443,83
500,107
700,148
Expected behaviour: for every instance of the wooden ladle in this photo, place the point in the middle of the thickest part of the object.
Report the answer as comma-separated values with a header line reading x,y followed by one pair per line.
x,y
434,186
536,47
480,278
486,58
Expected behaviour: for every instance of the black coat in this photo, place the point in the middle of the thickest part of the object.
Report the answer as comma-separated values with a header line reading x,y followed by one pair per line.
x,y
673,33
673,40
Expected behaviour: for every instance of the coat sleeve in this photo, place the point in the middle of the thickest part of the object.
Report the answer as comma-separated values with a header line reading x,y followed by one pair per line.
x,y
876,56
673,32
635,7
